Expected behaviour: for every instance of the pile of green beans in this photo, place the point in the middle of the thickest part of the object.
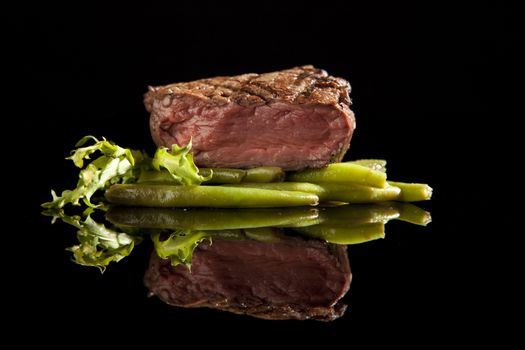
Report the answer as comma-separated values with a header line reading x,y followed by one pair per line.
x,y
361,181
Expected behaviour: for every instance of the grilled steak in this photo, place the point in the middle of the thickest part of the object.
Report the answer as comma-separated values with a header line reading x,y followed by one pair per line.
x,y
290,279
294,119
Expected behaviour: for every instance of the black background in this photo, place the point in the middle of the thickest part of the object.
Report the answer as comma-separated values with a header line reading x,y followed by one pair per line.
x,y
432,87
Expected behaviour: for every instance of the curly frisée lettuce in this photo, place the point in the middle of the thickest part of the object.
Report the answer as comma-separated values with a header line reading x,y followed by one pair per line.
x,y
116,164
179,164
179,245
121,165
98,245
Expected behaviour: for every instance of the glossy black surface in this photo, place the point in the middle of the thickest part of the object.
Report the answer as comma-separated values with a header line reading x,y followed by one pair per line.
x,y
425,98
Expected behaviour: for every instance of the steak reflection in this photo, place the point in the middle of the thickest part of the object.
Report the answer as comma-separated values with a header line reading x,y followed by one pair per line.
x,y
289,278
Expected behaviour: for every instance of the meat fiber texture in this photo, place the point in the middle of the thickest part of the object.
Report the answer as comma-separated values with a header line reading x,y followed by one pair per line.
x,y
290,279
294,119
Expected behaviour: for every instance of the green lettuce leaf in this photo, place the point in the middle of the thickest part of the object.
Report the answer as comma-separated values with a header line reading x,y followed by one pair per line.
x,y
179,246
116,164
98,245
107,148
179,163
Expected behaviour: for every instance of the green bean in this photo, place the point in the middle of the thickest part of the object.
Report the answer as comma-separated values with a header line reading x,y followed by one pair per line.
x,y
412,192
261,234
147,176
264,174
375,164
209,218
223,175
220,176
349,193
283,186
153,195
412,214
264,234
345,235
232,235
302,223
341,173
357,214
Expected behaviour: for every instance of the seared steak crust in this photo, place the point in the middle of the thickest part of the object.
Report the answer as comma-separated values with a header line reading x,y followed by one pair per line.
x,y
298,85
